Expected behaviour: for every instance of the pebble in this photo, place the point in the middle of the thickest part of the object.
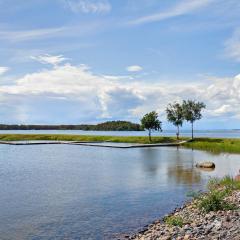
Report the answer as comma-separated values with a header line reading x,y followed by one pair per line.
x,y
222,225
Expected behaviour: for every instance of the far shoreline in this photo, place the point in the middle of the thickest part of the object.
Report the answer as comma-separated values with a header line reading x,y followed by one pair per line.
x,y
215,145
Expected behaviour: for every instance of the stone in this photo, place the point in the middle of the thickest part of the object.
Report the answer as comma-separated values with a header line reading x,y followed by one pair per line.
x,y
205,165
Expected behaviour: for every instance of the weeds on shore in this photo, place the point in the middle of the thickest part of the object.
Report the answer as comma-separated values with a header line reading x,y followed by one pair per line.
x,y
215,145
214,201
87,138
174,221
219,189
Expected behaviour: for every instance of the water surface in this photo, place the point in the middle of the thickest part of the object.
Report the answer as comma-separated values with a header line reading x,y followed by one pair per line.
x,y
79,192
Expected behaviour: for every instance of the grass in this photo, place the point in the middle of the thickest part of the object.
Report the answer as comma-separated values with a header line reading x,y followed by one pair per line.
x,y
214,201
219,189
215,145
174,221
87,138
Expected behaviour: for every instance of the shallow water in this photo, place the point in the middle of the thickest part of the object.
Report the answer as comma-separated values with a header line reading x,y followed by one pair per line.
x,y
79,192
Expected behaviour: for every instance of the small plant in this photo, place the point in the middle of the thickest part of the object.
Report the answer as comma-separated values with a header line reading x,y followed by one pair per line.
x,y
174,221
214,201
227,183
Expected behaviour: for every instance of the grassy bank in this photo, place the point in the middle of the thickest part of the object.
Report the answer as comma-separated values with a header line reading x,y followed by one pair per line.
x,y
215,145
87,138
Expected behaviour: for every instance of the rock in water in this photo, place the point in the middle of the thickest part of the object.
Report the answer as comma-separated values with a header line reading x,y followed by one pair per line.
x,y
205,165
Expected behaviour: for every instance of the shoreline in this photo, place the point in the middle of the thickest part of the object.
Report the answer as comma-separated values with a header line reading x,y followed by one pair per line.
x,y
191,223
94,144
214,145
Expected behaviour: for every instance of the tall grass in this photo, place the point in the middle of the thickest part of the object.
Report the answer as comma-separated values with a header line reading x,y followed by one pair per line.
x,y
219,189
87,138
215,145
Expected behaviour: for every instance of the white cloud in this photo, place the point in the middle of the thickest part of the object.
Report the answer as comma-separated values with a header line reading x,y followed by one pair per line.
x,y
24,35
49,59
46,33
134,68
68,93
182,8
232,46
88,6
3,70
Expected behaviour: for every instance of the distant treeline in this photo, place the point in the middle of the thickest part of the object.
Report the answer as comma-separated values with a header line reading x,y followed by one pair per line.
x,y
106,126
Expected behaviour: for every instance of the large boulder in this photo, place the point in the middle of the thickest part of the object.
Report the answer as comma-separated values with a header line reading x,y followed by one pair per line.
x,y
205,165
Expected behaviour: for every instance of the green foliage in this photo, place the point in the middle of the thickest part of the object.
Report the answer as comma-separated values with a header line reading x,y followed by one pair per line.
x,y
86,138
150,122
175,115
214,201
215,145
228,184
192,111
174,221
106,126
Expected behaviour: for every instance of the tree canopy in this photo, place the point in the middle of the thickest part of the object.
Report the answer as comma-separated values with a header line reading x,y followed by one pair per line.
x,y
151,122
175,115
192,111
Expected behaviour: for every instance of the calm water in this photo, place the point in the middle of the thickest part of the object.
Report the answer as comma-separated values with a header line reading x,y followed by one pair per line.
x,y
79,192
186,133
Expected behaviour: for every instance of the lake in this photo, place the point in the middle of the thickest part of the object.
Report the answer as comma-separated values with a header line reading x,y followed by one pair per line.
x,y
80,192
185,133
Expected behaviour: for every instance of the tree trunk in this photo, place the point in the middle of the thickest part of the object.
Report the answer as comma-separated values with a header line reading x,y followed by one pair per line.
x,y
149,135
177,132
192,130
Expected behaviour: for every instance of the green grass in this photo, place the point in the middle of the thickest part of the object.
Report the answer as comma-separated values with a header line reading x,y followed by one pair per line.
x,y
214,200
215,145
227,183
63,137
174,221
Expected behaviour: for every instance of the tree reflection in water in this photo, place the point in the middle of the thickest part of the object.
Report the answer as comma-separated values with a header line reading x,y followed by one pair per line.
x,y
182,168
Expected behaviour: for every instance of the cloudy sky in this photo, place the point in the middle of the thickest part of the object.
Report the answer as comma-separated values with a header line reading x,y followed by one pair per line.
x,y
87,61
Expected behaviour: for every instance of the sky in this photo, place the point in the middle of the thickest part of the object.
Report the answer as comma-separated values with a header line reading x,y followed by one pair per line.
x,y
89,61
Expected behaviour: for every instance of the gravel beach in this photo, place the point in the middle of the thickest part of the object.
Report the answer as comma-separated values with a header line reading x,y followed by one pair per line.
x,y
197,224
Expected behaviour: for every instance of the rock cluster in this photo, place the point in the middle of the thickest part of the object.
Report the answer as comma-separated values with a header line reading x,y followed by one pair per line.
x,y
223,225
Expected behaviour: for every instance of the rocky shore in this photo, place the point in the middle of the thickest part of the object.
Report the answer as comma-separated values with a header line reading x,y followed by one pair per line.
x,y
197,224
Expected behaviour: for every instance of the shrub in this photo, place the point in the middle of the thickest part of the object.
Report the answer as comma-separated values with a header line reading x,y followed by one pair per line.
x,y
214,201
174,221
227,183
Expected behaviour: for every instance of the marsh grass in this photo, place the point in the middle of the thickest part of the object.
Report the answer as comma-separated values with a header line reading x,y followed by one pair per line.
x,y
214,201
215,145
219,189
174,221
87,138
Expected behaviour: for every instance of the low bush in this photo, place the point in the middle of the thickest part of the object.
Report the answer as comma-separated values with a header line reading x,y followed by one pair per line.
x,y
174,221
214,201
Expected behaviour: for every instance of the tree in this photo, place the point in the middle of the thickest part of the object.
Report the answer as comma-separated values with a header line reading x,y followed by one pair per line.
x,y
150,122
175,115
192,111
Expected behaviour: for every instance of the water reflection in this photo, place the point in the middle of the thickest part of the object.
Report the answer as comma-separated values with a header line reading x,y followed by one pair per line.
x,y
151,161
89,193
183,173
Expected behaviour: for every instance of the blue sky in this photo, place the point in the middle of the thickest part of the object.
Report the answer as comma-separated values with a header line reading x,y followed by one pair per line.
x,y
87,61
